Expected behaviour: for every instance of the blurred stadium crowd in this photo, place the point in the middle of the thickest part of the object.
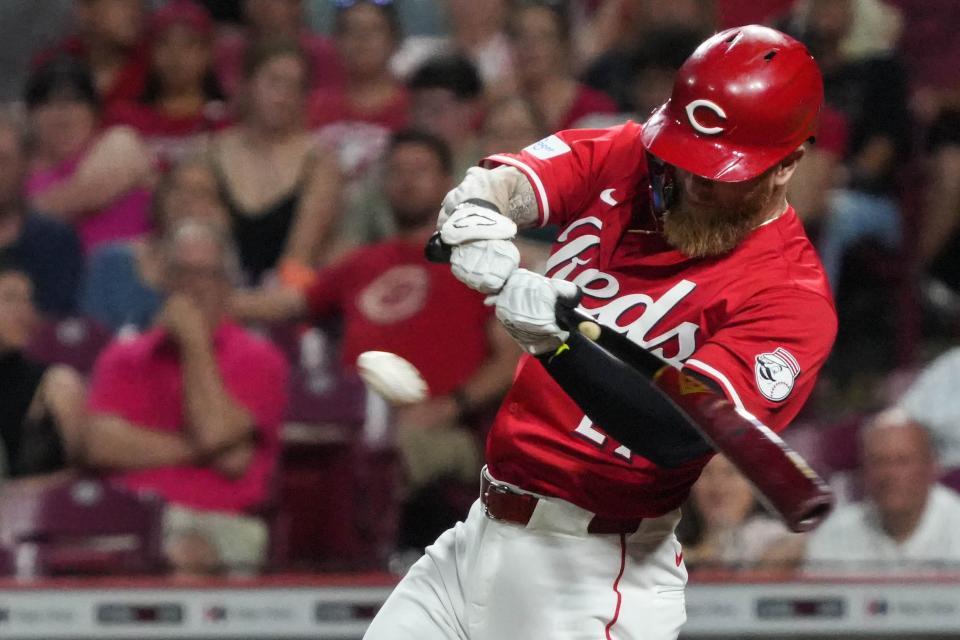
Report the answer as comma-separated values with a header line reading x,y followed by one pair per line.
x,y
209,209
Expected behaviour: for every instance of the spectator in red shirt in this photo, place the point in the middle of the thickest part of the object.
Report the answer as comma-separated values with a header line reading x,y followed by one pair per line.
x,y
281,190
191,410
182,101
98,180
267,20
542,49
391,299
367,34
108,40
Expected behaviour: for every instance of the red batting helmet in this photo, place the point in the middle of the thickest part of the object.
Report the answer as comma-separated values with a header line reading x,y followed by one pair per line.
x,y
743,101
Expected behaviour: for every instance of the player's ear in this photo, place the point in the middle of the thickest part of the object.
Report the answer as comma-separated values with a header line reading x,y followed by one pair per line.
x,y
787,166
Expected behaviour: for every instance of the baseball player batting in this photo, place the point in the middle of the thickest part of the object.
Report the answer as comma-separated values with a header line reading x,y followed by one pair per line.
x,y
680,238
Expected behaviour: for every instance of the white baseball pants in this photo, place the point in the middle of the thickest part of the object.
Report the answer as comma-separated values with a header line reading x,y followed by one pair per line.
x,y
549,580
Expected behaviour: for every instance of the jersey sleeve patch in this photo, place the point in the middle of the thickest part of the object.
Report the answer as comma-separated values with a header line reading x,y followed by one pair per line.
x,y
549,147
776,373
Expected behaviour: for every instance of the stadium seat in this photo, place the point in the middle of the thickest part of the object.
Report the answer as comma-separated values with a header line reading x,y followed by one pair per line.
x,y
285,336
74,341
839,447
305,346
804,438
6,561
339,506
81,527
328,404
951,478
828,448
338,502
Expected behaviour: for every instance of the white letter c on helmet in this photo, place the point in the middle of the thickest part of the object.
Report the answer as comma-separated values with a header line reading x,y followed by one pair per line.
x,y
707,104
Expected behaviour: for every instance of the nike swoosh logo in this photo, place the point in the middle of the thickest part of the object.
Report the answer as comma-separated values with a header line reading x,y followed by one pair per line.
x,y
678,557
474,220
607,196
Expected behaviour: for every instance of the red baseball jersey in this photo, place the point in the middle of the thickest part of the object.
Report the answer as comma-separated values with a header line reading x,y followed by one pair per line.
x,y
759,321
391,299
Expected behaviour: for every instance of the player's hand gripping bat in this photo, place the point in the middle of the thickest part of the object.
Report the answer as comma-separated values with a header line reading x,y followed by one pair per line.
x,y
782,478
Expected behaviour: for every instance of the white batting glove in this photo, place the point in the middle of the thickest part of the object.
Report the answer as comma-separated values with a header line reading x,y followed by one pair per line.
x,y
484,265
494,187
471,222
483,256
526,308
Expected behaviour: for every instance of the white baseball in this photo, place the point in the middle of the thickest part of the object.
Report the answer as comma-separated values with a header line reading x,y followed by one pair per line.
x,y
392,377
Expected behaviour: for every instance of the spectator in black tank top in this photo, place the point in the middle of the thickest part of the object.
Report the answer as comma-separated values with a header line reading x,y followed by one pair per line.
x,y
281,191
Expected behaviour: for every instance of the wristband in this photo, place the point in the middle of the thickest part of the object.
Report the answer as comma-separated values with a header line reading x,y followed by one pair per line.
x,y
294,273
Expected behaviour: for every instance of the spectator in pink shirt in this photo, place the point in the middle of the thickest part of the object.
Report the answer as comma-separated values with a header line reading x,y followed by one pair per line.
x,y
96,180
191,410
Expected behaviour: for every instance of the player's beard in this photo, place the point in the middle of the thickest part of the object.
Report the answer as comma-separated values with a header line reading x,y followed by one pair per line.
x,y
700,231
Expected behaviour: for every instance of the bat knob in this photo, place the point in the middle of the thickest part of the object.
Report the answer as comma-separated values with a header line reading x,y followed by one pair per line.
x,y
565,307
436,250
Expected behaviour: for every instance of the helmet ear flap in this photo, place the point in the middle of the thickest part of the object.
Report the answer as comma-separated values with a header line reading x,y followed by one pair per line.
x,y
662,185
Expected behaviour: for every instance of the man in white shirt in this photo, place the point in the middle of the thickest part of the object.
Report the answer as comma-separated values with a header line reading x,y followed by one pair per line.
x,y
907,522
932,401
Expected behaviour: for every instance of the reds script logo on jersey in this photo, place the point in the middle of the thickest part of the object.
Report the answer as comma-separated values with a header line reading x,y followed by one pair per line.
x,y
629,311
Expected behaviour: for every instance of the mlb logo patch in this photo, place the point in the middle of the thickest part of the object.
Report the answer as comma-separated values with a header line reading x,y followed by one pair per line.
x,y
549,147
